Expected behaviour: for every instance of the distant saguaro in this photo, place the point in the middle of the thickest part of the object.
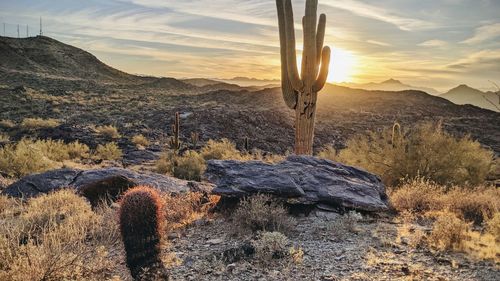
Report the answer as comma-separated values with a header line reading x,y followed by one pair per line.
x,y
41,31
18,36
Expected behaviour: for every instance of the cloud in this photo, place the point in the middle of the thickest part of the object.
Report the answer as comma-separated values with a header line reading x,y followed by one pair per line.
x,y
433,43
485,61
483,33
374,42
381,14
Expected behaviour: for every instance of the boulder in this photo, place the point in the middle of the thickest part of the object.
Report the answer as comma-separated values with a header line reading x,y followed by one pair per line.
x,y
300,180
99,183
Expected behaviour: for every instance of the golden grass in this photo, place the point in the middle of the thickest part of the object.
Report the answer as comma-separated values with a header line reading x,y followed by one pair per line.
x,y
109,151
108,131
39,123
140,141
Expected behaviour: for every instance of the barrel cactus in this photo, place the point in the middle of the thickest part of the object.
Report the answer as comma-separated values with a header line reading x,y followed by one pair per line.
x,y
141,219
301,92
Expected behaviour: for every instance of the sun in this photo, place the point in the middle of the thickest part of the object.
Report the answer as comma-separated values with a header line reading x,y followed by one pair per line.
x,y
343,66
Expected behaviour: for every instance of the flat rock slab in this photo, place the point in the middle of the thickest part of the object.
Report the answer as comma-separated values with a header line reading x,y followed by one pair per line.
x,y
300,179
95,184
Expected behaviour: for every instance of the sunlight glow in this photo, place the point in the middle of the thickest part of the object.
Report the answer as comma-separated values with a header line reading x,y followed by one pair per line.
x,y
343,66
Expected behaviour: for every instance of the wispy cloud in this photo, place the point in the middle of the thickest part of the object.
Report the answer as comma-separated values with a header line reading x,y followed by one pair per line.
x,y
378,13
433,43
483,33
379,43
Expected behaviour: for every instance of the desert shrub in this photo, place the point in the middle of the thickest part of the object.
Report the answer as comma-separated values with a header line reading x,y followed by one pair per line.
x,y
329,153
344,225
24,158
109,151
53,238
477,205
7,124
417,195
270,245
108,131
448,232
33,156
4,137
493,226
165,164
140,140
190,166
425,151
186,207
261,212
39,123
77,150
472,205
220,150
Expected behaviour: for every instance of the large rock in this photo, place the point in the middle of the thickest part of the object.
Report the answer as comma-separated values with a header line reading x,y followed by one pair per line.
x,y
96,184
300,179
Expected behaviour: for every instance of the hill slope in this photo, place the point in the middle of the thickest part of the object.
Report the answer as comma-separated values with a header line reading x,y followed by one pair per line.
x,y
464,94
391,85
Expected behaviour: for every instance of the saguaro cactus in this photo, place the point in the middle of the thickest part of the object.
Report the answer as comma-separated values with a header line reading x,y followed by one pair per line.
x,y
301,92
176,128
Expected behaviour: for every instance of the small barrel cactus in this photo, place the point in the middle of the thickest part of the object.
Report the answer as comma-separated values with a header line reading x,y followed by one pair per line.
x,y
141,220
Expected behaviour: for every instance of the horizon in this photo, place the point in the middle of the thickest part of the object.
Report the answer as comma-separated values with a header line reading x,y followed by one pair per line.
x,y
438,45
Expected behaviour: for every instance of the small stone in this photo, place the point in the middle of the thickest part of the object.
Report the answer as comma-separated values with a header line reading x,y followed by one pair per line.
x,y
215,241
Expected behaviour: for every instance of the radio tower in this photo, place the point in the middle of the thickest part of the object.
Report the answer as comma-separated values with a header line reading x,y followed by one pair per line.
x,y
41,32
18,31
4,29
27,31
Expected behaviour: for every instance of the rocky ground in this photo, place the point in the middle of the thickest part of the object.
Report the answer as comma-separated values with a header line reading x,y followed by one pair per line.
x,y
373,250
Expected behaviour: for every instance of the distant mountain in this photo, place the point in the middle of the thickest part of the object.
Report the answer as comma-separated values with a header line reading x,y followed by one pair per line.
x,y
390,85
464,94
246,82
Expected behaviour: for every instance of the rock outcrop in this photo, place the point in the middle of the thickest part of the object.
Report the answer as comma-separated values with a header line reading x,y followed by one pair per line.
x,y
301,180
98,183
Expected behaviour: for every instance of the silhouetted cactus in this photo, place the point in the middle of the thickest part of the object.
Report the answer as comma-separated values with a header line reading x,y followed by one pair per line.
x,y
141,219
396,134
247,144
301,92
176,128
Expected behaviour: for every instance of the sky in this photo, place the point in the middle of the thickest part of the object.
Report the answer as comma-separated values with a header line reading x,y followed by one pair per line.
x,y
432,43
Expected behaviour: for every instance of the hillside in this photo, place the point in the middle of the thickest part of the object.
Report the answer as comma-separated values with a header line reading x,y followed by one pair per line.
x,y
391,85
63,86
464,94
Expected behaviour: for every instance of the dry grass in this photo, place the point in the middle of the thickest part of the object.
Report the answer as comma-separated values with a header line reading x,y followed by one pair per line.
x,y
183,209
493,226
472,205
220,150
7,124
261,213
56,237
109,151
448,232
4,138
108,131
418,152
271,245
39,123
34,156
140,141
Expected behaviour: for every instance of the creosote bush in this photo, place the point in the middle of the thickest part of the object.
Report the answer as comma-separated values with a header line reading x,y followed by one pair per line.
x,y
186,207
424,151
108,131
109,151
261,212
493,226
39,123
220,150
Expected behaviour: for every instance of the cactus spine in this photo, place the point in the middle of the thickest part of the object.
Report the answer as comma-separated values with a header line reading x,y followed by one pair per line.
x,y
176,128
301,92
141,219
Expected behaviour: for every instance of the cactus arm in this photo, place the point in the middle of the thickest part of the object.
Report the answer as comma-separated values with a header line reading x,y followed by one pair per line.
x,y
323,73
289,94
291,55
320,37
309,55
